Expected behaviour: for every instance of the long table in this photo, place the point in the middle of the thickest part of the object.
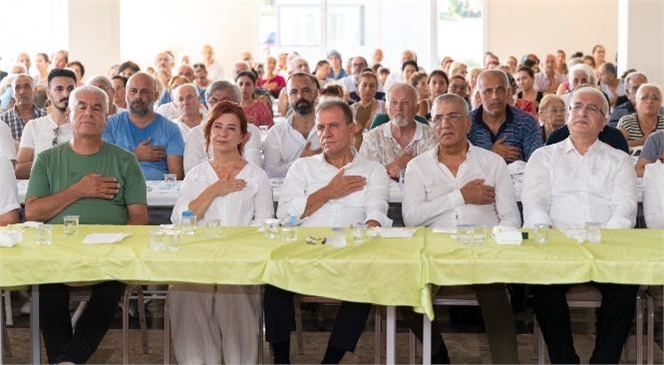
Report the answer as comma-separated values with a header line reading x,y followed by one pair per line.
x,y
384,271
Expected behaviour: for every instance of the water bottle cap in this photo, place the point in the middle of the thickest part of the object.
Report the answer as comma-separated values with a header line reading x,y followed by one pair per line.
x,y
292,220
187,214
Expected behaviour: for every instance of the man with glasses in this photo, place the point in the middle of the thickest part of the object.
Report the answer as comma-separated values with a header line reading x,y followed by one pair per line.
x,y
496,126
632,83
194,146
565,185
458,183
50,130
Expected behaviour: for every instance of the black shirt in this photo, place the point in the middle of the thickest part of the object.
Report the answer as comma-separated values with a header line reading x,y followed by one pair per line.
x,y
609,135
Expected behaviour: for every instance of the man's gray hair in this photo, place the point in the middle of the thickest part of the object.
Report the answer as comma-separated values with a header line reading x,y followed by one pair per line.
x,y
100,79
449,98
189,85
18,76
402,85
223,85
331,102
590,73
493,72
591,90
610,68
628,79
73,97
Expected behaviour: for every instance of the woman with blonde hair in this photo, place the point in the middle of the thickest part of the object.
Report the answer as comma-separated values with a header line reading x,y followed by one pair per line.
x,y
552,114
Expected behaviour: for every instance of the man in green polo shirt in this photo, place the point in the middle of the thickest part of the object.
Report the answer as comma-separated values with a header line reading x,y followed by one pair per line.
x,y
101,183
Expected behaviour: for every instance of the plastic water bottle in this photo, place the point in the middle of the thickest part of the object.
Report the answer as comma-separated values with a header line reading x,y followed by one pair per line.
x,y
338,236
188,225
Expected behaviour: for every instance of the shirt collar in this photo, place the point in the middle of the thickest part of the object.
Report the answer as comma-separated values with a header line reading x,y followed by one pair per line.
x,y
321,158
419,134
569,146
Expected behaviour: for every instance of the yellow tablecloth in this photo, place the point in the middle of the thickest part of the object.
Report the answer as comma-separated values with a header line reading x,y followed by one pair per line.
x,y
634,256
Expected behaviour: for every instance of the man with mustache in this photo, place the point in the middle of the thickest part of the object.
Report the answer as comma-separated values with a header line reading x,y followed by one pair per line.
x,y
503,129
155,140
24,110
566,185
296,136
50,130
395,143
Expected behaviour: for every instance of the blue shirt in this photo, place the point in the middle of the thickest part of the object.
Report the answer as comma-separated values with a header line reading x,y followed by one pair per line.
x,y
520,130
161,131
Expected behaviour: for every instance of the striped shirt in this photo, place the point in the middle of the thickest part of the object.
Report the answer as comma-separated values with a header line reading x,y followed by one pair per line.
x,y
520,129
13,119
630,123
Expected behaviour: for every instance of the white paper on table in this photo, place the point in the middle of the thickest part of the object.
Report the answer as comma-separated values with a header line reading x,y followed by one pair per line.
x,y
392,232
504,235
102,238
10,238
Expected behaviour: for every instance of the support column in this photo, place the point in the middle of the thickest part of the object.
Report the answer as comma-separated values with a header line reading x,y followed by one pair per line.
x,y
641,38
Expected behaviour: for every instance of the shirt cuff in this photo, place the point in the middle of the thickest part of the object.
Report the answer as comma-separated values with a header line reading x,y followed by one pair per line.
x,y
537,218
380,218
296,207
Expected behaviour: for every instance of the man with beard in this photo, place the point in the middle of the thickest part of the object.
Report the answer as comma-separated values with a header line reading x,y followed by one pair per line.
x,y
296,136
24,110
155,140
50,130
503,129
394,144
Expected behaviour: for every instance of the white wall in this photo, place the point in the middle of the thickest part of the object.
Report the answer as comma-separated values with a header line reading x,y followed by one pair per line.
x,y
640,38
151,26
518,27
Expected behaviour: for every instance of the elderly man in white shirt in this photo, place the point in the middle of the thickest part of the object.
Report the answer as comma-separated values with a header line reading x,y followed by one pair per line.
x,y
579,180
458,183
296,136
187,101
653,194
338,183
7,146
194,143
395,143
9,193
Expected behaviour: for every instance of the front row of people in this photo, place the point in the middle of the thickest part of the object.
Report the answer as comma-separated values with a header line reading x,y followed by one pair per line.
x,y
578,180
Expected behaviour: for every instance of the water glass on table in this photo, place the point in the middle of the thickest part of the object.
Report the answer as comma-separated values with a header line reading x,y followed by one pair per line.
x,y
44,235
70,225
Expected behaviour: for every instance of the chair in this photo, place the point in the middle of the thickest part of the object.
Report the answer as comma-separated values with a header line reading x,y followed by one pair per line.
x,y
5,346
299,299
587,296
655,298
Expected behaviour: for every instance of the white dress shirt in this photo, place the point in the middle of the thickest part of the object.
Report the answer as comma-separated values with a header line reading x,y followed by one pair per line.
x,y
310,174
7,146
185,129
283,145
432,194
194,147
39,133
171,111
653,195
380,145
9,191
241,208
566,189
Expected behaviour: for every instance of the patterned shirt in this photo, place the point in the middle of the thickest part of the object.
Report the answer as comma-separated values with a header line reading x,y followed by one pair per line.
x,y
379,145
13,119
520,129
630,123
542,82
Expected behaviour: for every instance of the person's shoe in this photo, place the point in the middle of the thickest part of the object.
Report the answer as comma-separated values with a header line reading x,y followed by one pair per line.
x,y
25,308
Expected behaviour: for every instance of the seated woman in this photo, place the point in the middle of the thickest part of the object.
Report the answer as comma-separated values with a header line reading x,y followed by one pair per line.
x,y
638,126
207,320
552,114
321,72
525,80
419,81
365,110
438,83
271,81
258,113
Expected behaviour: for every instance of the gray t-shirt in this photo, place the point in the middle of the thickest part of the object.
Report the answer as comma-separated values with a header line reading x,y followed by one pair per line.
x,y
654,146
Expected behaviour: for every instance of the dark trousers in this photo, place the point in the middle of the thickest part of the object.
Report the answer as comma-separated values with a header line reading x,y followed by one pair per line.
x,y
280,314
498,321
614,320
63,344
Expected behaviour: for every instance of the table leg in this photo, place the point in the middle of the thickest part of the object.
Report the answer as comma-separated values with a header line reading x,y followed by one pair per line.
x,y
2,330
390,330
426,340
35,354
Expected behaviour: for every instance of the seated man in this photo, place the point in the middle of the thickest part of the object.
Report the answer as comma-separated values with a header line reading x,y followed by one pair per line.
x,y
651,151
653,194
101,183
395,143
501,128
155,140
338,183
296,136
9,193
565,185
194,147
458,183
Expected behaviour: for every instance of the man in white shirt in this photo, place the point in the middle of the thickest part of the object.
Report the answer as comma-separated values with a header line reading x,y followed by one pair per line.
x,y
395,143
458,183
338,183
653,194
7,147
214,69
9,193
194,146
188,103
565,185
296,136
50,130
